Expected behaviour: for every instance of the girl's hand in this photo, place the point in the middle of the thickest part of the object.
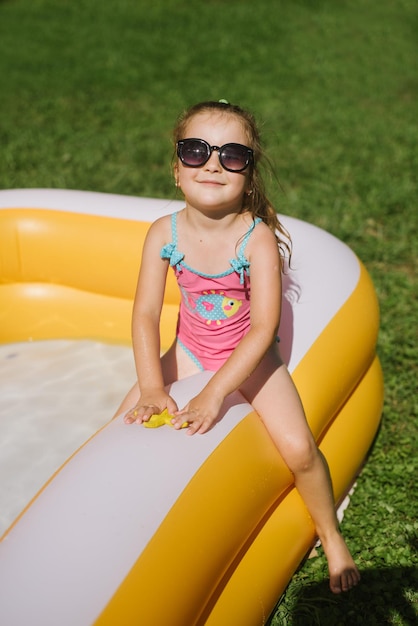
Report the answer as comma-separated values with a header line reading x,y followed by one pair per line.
x,y
151,403
201,413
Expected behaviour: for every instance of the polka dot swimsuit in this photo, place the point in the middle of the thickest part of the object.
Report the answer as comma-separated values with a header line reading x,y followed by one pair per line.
x,y
215,308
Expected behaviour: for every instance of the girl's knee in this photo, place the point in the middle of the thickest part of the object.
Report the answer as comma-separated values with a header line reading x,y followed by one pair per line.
x,y
300,455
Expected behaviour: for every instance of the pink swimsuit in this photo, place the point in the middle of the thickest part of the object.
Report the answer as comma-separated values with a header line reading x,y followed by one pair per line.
x,y
215,308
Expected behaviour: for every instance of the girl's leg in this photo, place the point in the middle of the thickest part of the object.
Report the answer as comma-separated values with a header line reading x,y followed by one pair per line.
x,y
277,401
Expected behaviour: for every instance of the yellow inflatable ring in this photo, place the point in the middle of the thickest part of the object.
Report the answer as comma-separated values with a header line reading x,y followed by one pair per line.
x,y
149,526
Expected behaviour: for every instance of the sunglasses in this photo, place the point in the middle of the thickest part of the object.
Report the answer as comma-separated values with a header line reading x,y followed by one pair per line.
x,y
233,157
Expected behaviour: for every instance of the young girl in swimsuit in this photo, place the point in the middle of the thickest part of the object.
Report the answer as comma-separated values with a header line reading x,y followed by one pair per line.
x,y
226,248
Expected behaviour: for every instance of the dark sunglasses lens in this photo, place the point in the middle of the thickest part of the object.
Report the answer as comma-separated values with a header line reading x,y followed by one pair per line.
x,y
194,153
235,157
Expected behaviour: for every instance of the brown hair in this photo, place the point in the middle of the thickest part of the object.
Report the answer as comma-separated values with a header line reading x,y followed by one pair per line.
x,y
256,202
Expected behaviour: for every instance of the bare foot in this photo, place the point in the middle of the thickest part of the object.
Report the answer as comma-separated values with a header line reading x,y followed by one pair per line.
x,y
343,572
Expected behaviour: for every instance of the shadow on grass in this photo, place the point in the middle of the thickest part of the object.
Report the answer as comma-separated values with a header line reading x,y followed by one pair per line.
x,y
384,596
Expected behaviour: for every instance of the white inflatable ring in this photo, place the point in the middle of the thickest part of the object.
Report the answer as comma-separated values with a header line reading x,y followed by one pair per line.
x,y
149,526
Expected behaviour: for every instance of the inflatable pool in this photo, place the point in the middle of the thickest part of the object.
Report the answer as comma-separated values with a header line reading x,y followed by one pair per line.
x,y
148,526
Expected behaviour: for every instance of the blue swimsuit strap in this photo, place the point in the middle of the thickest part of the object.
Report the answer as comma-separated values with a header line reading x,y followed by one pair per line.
x,y
174,228
247,236
241,264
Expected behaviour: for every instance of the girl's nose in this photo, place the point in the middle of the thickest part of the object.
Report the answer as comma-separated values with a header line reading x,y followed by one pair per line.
x,y
213,163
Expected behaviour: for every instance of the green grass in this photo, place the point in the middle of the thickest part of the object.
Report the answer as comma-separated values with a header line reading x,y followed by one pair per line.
x,y
89,91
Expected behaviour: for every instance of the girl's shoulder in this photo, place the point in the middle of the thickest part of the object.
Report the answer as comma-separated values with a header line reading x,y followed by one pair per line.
x,y
262,232
161,229
262,237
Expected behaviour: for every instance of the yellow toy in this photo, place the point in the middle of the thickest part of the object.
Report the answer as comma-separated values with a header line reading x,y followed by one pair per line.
x,y
161,419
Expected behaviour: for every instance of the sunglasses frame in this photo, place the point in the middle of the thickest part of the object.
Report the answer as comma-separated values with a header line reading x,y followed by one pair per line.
x,y
219,149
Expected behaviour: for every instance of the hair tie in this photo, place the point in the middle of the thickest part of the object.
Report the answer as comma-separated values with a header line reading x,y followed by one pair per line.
x,y
222,101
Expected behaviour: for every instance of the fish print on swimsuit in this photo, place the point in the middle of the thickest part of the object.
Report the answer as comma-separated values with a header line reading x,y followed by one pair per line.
x,y
214,306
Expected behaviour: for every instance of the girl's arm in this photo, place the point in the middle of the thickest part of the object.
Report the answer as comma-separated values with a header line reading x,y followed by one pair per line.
x,y
263,254
146,327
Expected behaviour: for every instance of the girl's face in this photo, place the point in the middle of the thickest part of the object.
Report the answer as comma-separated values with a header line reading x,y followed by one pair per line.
x,y
211,187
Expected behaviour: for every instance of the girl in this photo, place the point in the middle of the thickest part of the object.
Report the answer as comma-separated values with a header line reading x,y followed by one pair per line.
x,y
226,228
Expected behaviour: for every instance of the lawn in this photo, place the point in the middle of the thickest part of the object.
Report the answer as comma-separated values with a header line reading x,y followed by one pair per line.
x,y
89,93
